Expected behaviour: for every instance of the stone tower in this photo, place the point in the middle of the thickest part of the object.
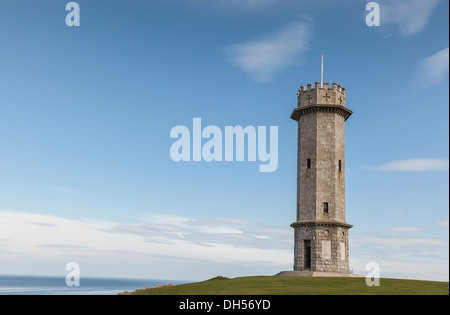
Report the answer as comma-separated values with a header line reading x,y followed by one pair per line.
x,y
321,232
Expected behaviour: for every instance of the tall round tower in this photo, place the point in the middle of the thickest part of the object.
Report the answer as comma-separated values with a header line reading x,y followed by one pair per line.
x,y
321,232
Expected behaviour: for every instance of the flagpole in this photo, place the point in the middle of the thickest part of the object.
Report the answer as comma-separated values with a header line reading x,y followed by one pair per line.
x,y
321,74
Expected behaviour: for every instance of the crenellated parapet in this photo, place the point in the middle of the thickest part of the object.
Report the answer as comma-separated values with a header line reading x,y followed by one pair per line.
x,y
312,99
316,95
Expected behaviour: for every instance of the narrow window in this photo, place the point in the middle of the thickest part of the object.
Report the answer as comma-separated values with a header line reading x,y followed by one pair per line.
x,y
340,165
309,163
325,207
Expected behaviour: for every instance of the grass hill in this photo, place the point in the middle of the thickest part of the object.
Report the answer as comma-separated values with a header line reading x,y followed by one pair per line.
x,y
279,285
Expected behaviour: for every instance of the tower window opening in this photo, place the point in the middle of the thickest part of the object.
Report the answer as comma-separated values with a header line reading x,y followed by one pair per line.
x,y
325,207
340,165
308,162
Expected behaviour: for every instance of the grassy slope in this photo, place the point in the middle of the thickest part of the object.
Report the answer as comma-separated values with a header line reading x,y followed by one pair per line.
x,y
270,285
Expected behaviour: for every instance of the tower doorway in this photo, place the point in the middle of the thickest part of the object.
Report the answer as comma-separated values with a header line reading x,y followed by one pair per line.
x,y
307,260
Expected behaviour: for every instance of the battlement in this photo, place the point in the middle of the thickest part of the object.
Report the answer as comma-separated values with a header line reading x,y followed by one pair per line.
x,y
326,95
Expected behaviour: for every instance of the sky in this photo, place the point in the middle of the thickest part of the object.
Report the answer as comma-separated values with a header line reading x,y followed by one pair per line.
x,y
86,114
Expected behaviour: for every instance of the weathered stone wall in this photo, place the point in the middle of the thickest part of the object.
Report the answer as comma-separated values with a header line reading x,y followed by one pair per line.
x,y
326,161
321,139
307,178
339,175
321,95
329,248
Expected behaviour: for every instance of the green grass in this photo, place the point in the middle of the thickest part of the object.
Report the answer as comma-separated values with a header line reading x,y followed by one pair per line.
x,y
275,285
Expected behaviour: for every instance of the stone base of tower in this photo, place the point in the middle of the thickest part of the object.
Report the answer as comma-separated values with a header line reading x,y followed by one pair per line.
x,y
321,246
307,273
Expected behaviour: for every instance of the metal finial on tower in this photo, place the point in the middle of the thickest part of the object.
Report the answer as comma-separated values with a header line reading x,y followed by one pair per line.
x,y
321,74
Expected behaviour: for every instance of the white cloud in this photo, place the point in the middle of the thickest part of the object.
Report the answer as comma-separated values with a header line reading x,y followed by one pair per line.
x,y
40,238
262,59
416,268
226,221
401,256
219,230
406,229
369,241
433,70
410,16
442,223
175,247
414,165
166,219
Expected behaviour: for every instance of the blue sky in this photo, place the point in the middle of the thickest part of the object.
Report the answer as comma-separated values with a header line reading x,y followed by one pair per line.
x,y
86,115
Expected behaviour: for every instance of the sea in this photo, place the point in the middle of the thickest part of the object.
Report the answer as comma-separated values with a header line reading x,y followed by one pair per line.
x,y
39,285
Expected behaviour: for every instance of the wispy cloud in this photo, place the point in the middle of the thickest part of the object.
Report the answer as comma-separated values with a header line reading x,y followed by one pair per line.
x,y
406,229
161,239
262,59
442,223
413,165
397,242
178,247
213,230
401,256
433,69
409,16
66,247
